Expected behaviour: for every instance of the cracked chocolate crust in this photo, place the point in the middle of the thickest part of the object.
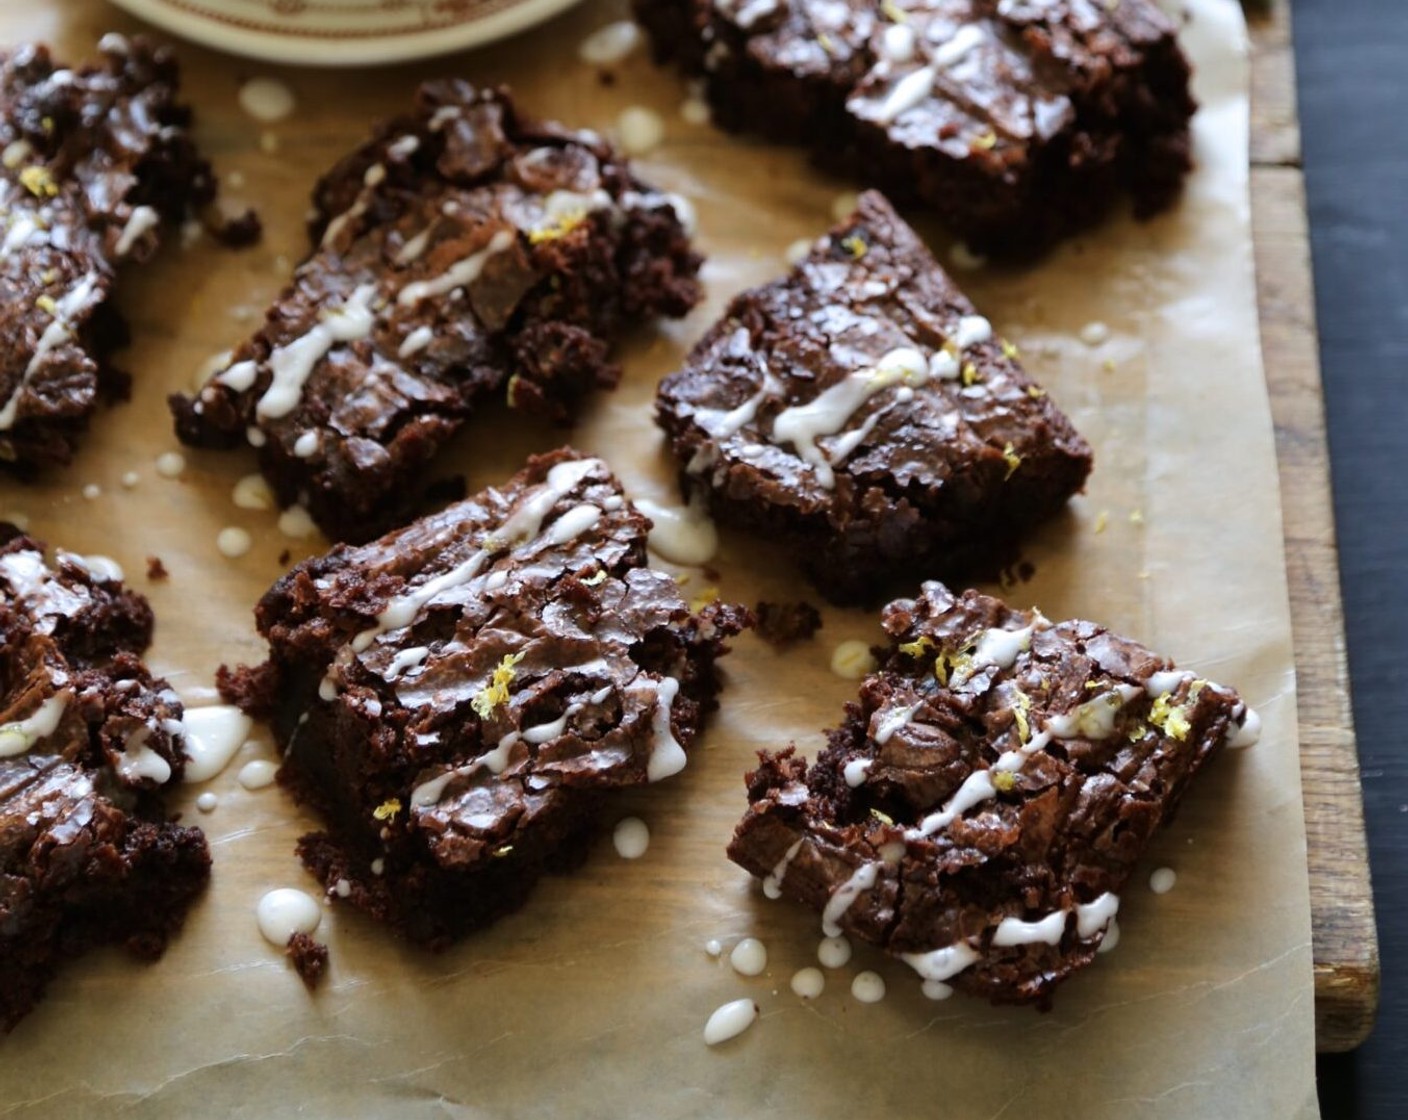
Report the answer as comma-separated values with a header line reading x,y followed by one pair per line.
x,y
465,252
986,799
457,699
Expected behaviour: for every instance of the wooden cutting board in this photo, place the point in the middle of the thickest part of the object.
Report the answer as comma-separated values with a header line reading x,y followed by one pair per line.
x,y
1345,943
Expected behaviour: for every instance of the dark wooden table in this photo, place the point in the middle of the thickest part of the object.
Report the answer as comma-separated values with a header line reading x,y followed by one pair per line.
x,y
1352,64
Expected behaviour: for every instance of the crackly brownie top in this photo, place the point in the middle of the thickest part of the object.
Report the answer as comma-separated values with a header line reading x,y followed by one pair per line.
x,y
507,649
91,160
453,228
866,364
72,686
990,792
978,79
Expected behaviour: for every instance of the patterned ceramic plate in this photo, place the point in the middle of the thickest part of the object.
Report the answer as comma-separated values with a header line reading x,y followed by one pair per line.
x,y
343,32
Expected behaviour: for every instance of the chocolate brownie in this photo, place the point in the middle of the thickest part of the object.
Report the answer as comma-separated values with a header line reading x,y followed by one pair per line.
x,y
1017,121
983,805
465,252
87,738
457,698
92,162
860,412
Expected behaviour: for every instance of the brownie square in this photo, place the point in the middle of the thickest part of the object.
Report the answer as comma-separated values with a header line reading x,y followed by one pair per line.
x,y
1017,121
465,252
457,698
87,738
861,413
92,162
982,807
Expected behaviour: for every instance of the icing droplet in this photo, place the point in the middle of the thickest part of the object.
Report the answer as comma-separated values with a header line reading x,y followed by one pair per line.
x,y
252,492
868,987
297,523
684,536
1112,937
631,837
92,492
749,957
266,99
729,1021
808,982
609,44
1162,880
130,479
1093,334
257,774
212,736
695,110
714,947
640,130
206,802
283,912
833,952
852,660
170,464
232,541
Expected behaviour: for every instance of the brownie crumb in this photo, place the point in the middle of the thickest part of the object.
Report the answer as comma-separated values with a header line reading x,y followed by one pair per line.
x,y
309,957
156,569
284,557
784,624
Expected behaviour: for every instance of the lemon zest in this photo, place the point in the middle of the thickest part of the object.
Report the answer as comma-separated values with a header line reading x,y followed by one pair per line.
x,y
495,693
1012,459
1171,719
387,809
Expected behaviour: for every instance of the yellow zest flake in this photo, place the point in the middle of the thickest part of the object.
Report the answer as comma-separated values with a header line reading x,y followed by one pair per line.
x,y
824,42
512,390
986,142
893,13
1108,365
495,693
560,228
703,599
1003,781
387,809
1137,732
1010,351
919,647
855,245
499,853
38,182
1019,714
1136,517
955,667
47,305
1093,685
1012,459
49,275
47,124
1036,392
1101,520
971,376
1197,687
596,579
1169,718
883,818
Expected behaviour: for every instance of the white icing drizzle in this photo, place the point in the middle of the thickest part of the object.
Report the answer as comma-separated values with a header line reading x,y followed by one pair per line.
x,y
142,220
19,736
888,723
26,572
210,738
306,445
405,660
459,274
291,364
844,897
667,757
1095,719
833,952
544,732
370,178
729,1021
971,330
855,771
897,42
915,87
631,836
1111,938
721,425
413,248
416,341
749,957
803,425
1091,917
942,964
573,523
1248,732
405,146
283,912
75,300
102,568
138,761
684,536
22,231
1015,931
1165,682
772,883
808,983
868,987
745,13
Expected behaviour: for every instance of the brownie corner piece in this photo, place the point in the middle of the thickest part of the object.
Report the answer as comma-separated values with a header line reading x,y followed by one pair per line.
x,y
860,412
457,698
1017,121
981,809
464,253
88,738
93,161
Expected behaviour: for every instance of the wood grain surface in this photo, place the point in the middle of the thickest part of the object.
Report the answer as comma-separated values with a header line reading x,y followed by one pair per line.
x,y
1345,942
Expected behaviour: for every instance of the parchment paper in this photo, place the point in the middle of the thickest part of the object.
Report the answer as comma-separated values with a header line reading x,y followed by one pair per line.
x,y
591,1001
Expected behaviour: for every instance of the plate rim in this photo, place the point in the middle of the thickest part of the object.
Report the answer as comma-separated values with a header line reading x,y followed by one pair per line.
x,y
370,49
